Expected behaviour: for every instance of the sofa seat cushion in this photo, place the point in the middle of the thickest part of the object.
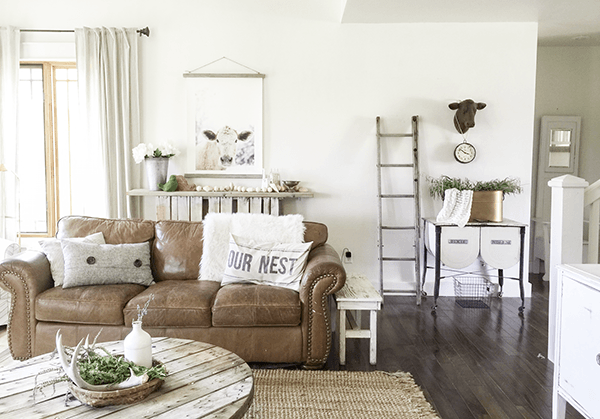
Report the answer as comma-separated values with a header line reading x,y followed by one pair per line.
x,y
247,305
176,303
96,304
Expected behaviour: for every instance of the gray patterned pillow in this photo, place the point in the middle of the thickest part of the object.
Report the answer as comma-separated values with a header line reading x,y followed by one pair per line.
x,y
97,264
53,251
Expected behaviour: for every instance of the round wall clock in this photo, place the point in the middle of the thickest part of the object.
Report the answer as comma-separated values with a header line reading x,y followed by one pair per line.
x,y
464,153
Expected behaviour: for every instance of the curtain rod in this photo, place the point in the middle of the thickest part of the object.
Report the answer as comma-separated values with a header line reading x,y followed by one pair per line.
x,y
143,31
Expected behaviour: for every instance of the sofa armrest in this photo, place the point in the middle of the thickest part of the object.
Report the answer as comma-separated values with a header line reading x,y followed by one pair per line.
x,y
25,276
324,275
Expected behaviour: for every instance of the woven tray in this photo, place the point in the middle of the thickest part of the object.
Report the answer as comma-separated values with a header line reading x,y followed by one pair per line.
x,y
115,397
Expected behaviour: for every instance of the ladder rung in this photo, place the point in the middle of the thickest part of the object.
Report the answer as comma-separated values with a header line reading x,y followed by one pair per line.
x,y
395,135
397,196
399,293
398,259
396,165
398,227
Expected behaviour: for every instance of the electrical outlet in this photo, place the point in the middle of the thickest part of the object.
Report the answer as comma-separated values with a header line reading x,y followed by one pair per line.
x,y
347,256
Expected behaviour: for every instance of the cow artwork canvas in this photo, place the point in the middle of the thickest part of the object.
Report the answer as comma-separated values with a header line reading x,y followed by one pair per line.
x,y
225,125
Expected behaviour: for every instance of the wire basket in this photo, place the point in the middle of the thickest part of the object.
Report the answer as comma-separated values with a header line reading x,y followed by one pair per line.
x,y
473,291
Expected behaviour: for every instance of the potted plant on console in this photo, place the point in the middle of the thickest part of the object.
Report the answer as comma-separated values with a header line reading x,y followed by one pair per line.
x,y
488,196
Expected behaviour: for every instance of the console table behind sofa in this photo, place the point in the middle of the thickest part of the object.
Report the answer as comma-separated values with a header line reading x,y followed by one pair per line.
x,y
193,206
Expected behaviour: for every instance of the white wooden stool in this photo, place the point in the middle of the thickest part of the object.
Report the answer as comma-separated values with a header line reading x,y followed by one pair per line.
x,y
358,294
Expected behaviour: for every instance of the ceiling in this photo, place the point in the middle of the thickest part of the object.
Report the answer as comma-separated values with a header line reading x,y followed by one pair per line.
x,y
560,22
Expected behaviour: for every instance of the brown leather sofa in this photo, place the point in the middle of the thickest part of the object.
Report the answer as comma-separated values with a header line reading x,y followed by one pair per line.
x,y
260,323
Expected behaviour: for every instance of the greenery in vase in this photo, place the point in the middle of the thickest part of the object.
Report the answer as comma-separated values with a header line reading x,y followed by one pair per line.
x,y
437,186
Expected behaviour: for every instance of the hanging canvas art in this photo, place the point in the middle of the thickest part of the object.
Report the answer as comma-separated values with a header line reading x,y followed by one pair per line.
x,y
224,123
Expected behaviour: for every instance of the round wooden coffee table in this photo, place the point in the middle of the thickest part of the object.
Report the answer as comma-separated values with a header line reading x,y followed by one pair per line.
x,y
204,381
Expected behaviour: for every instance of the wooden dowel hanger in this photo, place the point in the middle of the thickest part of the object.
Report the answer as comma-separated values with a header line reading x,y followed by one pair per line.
x,y
142,31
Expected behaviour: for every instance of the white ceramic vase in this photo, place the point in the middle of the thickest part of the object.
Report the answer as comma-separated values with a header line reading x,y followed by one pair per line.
x,y
138,346
156,171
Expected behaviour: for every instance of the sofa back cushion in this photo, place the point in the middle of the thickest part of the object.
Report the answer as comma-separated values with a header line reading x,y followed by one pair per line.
x,y
115,231
177,250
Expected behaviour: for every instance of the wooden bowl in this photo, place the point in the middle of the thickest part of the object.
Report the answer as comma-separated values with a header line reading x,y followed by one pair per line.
x,y
115,397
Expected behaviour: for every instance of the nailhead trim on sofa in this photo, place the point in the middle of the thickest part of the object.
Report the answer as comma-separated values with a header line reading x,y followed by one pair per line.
x,y
10,314
319,361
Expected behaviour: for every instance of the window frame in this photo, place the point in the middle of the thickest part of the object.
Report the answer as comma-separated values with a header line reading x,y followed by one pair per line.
x,y
50,142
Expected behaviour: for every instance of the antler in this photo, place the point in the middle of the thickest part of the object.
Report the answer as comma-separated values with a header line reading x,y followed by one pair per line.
x,y
72,370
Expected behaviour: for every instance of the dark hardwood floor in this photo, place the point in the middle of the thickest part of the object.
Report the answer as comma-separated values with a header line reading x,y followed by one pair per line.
x,y
471,363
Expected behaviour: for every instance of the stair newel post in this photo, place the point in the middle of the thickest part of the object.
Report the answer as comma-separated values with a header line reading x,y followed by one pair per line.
x,y
566,237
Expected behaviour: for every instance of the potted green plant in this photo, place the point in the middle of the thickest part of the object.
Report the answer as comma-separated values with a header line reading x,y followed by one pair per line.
x,y
487,195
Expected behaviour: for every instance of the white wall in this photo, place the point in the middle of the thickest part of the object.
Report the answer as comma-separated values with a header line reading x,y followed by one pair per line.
x,y
568,83
325,84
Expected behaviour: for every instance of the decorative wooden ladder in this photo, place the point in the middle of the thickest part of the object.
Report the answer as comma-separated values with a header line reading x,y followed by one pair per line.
x,y
416,225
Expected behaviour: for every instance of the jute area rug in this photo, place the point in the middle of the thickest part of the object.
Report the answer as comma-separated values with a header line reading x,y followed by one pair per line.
x,y
296,394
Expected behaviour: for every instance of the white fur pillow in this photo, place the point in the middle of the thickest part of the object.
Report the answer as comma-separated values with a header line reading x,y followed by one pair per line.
x,y
260,227
54,254
275,264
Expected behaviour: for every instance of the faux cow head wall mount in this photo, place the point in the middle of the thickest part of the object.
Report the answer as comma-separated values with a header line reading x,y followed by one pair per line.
x,y
464,118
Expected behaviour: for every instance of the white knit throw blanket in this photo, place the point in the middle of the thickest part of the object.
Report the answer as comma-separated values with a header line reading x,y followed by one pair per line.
x,y
259,227
457,207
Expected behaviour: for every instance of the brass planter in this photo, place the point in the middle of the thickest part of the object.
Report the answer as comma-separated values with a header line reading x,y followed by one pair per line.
x,y
487,206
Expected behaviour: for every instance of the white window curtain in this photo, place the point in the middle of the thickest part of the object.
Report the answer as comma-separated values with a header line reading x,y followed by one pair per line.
x,y
107,72
9,82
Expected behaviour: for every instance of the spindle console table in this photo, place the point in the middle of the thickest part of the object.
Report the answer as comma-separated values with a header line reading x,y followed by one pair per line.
x,y
193,206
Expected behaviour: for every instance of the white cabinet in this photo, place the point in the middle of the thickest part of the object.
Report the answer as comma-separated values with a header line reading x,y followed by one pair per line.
x,y
577,350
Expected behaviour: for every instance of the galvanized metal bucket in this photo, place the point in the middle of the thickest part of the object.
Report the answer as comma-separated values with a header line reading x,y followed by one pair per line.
x,y
156,171
487,206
